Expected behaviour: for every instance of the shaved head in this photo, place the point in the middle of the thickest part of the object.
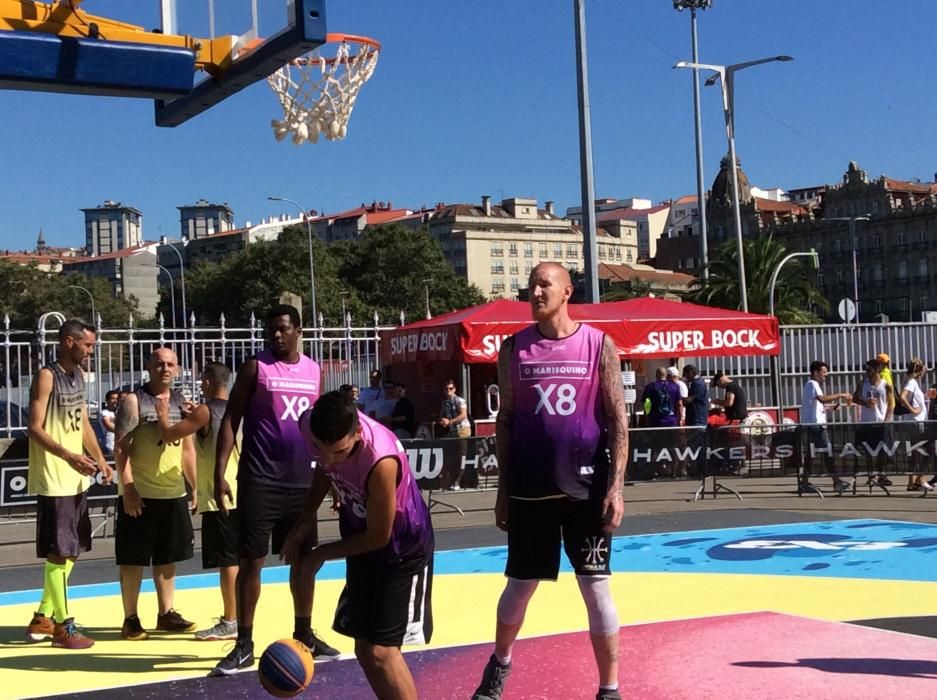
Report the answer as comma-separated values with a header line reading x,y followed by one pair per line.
x,y
549,290
556,271
161,354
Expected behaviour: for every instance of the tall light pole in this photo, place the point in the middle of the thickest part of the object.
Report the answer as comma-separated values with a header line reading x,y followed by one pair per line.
x,y
94,315
726,77
172,244
344,294
589,243
855,253
312,265
776,359
426,282
693,6
172,293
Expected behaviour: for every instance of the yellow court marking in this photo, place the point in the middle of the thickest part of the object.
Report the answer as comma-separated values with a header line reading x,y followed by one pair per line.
x,y
463,613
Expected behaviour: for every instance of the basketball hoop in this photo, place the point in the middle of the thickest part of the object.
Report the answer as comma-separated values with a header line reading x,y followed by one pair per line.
x,y
318,93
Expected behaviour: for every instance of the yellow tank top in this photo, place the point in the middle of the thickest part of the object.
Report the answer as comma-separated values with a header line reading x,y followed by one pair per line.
x,y
156,466
49,475
205,451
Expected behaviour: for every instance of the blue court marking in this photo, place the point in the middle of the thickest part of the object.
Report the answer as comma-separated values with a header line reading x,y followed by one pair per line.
x,y
865,549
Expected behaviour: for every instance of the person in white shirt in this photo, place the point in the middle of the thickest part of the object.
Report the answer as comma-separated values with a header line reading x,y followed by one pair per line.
x,y
372,393
910,407
673,375
875,397
814,406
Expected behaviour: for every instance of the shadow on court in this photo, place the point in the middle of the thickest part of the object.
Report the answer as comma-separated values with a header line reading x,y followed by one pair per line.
x,y
901,668
91,661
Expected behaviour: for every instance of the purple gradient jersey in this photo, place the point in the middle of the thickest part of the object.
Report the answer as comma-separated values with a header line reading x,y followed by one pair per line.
x,y
558,437
412,539
273,449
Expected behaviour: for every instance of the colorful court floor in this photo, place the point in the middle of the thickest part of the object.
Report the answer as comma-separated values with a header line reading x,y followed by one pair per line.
x,y
731,613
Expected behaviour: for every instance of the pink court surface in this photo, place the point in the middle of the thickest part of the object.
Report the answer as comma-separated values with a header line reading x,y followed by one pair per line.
x,y
836,609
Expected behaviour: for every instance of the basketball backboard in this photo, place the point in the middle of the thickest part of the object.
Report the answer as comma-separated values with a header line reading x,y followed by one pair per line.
x,y
58,47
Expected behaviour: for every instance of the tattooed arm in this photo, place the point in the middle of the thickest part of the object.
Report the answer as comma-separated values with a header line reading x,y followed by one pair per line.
x,y
128,416
503,428
616,415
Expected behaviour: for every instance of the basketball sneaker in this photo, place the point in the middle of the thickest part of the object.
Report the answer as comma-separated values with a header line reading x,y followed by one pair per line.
x,y
605,694
239,658
172,621
493,680
320,650
67,636
42,627
222,629
133,630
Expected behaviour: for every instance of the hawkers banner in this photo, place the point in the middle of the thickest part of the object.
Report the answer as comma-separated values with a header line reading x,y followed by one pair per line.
x,y
640,328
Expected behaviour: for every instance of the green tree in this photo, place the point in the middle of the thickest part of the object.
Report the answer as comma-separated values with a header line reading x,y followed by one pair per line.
x,y
253,279
795,294
389,267
632,289
26,292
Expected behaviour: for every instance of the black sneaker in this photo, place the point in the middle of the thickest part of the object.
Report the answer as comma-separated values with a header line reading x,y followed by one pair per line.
x,y
133,630
174,622
240,657
608,695
320,650
493,680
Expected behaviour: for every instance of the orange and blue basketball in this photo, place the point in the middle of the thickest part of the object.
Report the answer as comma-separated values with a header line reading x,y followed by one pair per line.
x,y
286,668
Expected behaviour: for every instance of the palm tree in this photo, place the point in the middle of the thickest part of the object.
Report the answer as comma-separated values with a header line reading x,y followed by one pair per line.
x,y
795,294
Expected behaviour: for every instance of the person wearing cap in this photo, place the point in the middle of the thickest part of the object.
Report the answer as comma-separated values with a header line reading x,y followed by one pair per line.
x,y
888,377
673,375
733,402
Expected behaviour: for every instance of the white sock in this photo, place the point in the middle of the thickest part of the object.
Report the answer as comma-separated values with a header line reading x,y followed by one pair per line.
x,y
614,686
504,661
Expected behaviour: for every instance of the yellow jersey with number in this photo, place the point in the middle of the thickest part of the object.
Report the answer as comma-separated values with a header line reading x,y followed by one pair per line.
x,y
205,450
156,466
49,475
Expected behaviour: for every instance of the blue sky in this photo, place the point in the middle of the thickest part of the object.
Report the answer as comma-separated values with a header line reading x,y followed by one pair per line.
x,y
474,98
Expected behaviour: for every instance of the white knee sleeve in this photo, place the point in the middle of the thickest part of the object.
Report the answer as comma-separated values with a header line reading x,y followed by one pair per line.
x,y
513,602
597,594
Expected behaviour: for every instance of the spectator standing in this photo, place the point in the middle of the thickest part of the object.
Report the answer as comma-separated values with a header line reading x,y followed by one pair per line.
x,y
673,375
889,378
106,419
697,398
910,407
454,421
403,419
663,400
872,396
814,406
734,402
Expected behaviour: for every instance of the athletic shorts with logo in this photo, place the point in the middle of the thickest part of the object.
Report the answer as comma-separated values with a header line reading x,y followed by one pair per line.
x,y
63,526
220,538
538,528
386,604
161,534
266,512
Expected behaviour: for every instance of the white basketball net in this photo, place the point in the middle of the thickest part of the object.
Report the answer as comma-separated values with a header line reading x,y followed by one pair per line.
x,y
317,95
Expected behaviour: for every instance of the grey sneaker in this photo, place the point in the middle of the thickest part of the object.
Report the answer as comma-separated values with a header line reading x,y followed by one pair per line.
x,y
222,629
493,680
608,695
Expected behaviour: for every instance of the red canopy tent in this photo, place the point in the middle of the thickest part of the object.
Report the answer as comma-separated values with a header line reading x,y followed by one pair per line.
x,y
641,328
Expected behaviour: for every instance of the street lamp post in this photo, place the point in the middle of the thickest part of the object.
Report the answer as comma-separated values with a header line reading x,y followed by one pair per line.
x,y
312,266
172,293
726,77
94,315
855,254
166,242
589,242
426,282
775,360
693,6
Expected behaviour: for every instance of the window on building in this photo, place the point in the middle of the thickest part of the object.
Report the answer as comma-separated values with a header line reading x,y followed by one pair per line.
x,y
922,302
921,236
820,277
513,267
877,241
497,249
839,276
837,246
515,285
878,306
922,267
630,257
497,267
572,250
903,304
557,250
899,237
528,250
902,269
877,273
875,206
512,250
528,268
617,253
543,251
497,285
